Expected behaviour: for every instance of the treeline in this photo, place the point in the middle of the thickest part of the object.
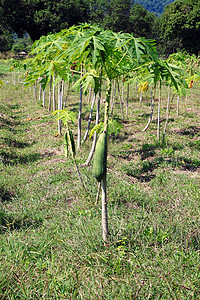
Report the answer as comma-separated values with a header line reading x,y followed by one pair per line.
x,y
178,28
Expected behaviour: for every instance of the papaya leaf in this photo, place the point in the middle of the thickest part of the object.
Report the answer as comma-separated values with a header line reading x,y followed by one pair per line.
x,y
98,128
114,127
65,116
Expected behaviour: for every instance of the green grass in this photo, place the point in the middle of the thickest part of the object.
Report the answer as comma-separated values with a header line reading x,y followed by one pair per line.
x,y
51,244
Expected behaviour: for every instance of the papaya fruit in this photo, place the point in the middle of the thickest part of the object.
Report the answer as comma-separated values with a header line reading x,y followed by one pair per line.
x,y
68,145
100,157
72,143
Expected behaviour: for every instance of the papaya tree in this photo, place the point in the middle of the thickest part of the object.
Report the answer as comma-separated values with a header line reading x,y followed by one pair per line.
x,y
100,55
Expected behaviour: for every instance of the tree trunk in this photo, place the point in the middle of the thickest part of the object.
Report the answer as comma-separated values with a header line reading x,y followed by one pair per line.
x,y
90,118
104,183
40,92
43,98
35,90
141,94
152,107
113,97
104,211
67,94
159,105
54,94
127,98
178,98
120,100
50,93
60,103
167,115
79,117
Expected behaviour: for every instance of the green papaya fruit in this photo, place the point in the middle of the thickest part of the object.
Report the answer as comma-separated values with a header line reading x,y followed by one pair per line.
x,y
100,157
66,144
72,142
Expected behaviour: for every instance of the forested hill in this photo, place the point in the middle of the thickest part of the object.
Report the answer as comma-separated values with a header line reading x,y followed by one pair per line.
x,y
155,6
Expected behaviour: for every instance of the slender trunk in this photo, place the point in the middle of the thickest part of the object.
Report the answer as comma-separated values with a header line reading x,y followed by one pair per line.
x,y
104,182
43,98
90,119
104,211
60,104
123,80
152,107
73,158
80,113
113,97
54,93
159,105
98,193
79,174
141,94
120,100
178,98
79,117
167,115
127,98
40,92
50,93
35,90
67,94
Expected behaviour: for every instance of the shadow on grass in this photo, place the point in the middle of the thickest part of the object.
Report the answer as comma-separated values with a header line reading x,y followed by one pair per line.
x,y
195,144
14,143
9,124
144,171
148,150
4,121
9,223
190,131
6,195
14,159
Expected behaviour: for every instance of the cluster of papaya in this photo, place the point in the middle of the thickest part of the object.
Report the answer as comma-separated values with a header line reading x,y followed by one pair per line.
x,y
100,155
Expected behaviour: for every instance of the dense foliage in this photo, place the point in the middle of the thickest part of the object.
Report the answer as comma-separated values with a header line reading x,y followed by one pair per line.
x,y
180,26
175,30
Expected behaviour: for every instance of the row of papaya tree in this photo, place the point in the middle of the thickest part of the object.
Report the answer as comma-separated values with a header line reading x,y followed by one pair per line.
x,y
87,57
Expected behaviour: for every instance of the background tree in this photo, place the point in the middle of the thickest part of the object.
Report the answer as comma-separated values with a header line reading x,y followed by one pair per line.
x,y
97,10
117,17
22,44
180,26
141,22
39,17
6,39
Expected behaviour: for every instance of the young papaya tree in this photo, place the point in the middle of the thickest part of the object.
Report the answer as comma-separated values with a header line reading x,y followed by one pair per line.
x,y
108,54
105,56
159,73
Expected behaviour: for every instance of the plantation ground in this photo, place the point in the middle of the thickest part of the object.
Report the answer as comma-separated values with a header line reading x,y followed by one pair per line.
x,y
51,244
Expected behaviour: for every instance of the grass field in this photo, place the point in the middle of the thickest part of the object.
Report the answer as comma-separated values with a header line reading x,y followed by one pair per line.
x,y
50,231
